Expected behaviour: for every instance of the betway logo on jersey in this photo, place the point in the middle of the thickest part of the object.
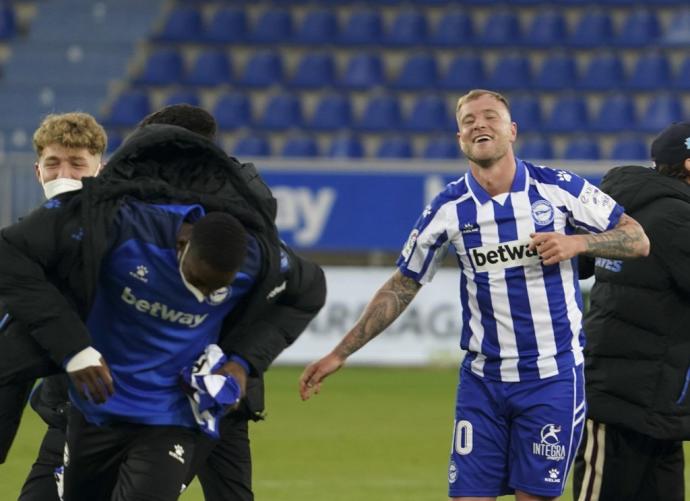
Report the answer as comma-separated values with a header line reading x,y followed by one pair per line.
x,y
162,311
504,255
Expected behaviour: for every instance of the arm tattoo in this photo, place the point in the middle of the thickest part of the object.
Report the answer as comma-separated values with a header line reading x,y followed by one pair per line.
x,y
625,240
387,305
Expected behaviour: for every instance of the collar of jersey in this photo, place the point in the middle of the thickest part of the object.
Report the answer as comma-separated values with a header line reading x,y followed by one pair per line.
x,y
519,183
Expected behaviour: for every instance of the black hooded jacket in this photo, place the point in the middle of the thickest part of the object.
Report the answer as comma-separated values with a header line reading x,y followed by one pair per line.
x,y
637,356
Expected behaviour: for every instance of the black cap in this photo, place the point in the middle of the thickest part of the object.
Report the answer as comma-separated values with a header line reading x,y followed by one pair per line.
x,y
672,145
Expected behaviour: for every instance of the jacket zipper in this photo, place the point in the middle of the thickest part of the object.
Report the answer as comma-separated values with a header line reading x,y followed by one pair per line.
x,y
685,387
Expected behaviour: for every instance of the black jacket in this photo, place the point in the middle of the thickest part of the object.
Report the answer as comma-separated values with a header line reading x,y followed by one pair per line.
x,y
637,356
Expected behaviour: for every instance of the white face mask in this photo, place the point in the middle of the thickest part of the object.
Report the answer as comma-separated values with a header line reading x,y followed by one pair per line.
x,y
60,185
195,292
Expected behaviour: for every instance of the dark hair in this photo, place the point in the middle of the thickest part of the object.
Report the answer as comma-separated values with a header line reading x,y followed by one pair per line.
x,y
676,170
190,117
219,240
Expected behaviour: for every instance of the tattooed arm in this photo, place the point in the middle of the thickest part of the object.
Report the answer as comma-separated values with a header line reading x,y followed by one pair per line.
x,y
626,240
386,305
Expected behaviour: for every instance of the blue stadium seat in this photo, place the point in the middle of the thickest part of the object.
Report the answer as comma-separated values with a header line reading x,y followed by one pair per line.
x,y
363,27
677,34
604,72
314,70
569,114
273,26
661,110
183,24
682,77
593,29
616,114
129,108
186,96
233,111
511,72
8,21
464,72
454,29
300,147
346,146
547,30
534,148
557,72
228,25
114,141
251,146
409,28
500,29
332,112
418,72
394,147
428,114
282,111
163,67
363,71
640,29
440,148
629,148
526,112
582,148
318,27
651,72
263,69
211,67
381,113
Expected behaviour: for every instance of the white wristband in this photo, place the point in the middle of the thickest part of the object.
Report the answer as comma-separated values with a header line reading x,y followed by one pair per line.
x,y
85,358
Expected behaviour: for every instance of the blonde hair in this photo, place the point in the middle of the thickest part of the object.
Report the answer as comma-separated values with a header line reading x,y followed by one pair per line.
x,y
71,130
476,94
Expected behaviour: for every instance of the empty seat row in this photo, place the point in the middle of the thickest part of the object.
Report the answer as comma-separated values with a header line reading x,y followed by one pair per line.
x,y
420,71
410,27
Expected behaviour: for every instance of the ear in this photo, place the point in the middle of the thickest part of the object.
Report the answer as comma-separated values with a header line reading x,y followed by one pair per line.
x,y
37,171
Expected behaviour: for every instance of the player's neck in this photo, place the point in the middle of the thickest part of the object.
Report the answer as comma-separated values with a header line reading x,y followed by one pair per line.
x,y
497,178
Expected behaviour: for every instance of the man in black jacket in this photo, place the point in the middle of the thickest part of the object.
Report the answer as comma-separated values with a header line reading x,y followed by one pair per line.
x,y
637,356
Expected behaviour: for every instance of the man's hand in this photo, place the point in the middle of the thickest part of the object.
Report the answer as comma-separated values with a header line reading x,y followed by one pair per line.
x,y
556,247
91,376
316,372
237,371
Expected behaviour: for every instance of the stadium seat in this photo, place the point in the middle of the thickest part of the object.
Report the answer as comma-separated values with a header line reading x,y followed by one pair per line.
x,y
454,29
394,147
651,72
661,110
500,29
511,72
346,146
593,29
233,111
332,112
569,114
114,141
300,147
273,26
534,148
251,146
186,96
464,72
211,67
129,108
317,27
314,70
228,25
604,72
363,71
557,72
582,148
282,111
428,114
677,34
263,69
640,29
163,67
409,28
418,72
183,24
8,21
381,113
629,148
440,148
616,114
526,112
682,77
547,30
363,27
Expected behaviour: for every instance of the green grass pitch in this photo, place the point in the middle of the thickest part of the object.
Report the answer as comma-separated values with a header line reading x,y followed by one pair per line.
x,y
373,434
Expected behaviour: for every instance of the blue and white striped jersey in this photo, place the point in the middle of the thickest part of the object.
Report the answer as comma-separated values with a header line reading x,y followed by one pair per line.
x,y
521,320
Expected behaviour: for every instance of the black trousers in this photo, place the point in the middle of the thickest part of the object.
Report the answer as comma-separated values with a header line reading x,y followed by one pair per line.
x,y
40,484
617,464
126,462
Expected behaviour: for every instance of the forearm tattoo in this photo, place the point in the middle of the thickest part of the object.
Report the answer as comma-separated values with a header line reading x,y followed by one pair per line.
x,y
387,305
626,240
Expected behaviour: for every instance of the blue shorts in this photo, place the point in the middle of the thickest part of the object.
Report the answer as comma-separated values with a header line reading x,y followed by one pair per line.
x,y
515,436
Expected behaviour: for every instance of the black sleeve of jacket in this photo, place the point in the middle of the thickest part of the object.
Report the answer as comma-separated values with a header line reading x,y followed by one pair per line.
x,y
281,322
29,250
670,234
